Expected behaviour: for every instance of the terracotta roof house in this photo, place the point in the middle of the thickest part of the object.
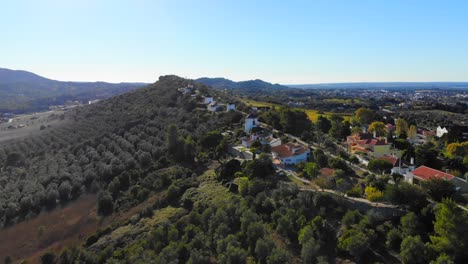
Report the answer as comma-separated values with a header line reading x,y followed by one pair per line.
x,y
290,153
424,173
372,146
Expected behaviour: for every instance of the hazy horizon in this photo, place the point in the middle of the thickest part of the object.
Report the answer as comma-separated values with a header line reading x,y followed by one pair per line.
x,y
298,42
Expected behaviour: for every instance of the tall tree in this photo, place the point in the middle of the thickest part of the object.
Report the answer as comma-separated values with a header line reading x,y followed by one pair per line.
x,y
364,115
401,127
172,138
413,250
323,123
378,127
451,229
412,131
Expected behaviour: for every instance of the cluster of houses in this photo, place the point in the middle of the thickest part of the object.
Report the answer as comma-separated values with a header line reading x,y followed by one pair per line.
x,y
288,154
283,154
6,118
208,100
213,106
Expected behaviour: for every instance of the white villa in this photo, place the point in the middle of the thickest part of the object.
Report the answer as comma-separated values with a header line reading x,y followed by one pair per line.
x,y
230,106
290,153
213,106
209,100
264,140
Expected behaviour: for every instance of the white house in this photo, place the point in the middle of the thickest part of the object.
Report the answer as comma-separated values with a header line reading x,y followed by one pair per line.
x,y
188,89
251,121
272,141
213,106
441,131
230,106
290,153
264,140
209,100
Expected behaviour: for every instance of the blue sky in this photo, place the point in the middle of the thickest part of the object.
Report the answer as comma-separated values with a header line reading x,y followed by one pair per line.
x,y
278,41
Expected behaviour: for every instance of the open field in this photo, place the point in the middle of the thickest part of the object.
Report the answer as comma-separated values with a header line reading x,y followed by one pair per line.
x,y
257,103
342,101
58,229
312,114
30,124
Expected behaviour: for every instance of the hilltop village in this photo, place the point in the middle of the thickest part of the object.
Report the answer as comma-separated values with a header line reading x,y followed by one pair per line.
x,y
390,152
180,172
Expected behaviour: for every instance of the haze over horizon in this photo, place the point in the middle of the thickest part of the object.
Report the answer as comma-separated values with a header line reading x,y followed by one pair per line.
x,y
299,42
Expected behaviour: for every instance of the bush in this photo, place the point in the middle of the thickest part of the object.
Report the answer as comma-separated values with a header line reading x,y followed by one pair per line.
x,y
105,203
373,194
393,239
356,191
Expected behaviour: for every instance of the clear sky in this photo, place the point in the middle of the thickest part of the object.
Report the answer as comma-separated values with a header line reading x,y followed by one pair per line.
x,y
278,41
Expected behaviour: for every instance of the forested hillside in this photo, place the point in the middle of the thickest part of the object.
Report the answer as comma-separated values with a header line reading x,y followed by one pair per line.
x,y
160,148
93,145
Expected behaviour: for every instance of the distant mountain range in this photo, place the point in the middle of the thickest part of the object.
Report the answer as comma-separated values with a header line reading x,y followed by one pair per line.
x,y
223,83
22,91
256,86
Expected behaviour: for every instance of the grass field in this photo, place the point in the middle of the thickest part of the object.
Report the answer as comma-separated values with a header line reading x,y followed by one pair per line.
x,y
257,103
29,125
342,101
59,228
312,114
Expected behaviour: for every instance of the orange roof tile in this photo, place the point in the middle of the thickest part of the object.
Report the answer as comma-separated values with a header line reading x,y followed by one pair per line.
x,y
426,173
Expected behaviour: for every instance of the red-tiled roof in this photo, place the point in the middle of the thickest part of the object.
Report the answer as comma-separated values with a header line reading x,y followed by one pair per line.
x,y
393,160
327,172
377,142
287,150
426,173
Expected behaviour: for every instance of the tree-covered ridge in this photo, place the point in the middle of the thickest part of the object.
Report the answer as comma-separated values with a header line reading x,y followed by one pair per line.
x,y
110,146
210,208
